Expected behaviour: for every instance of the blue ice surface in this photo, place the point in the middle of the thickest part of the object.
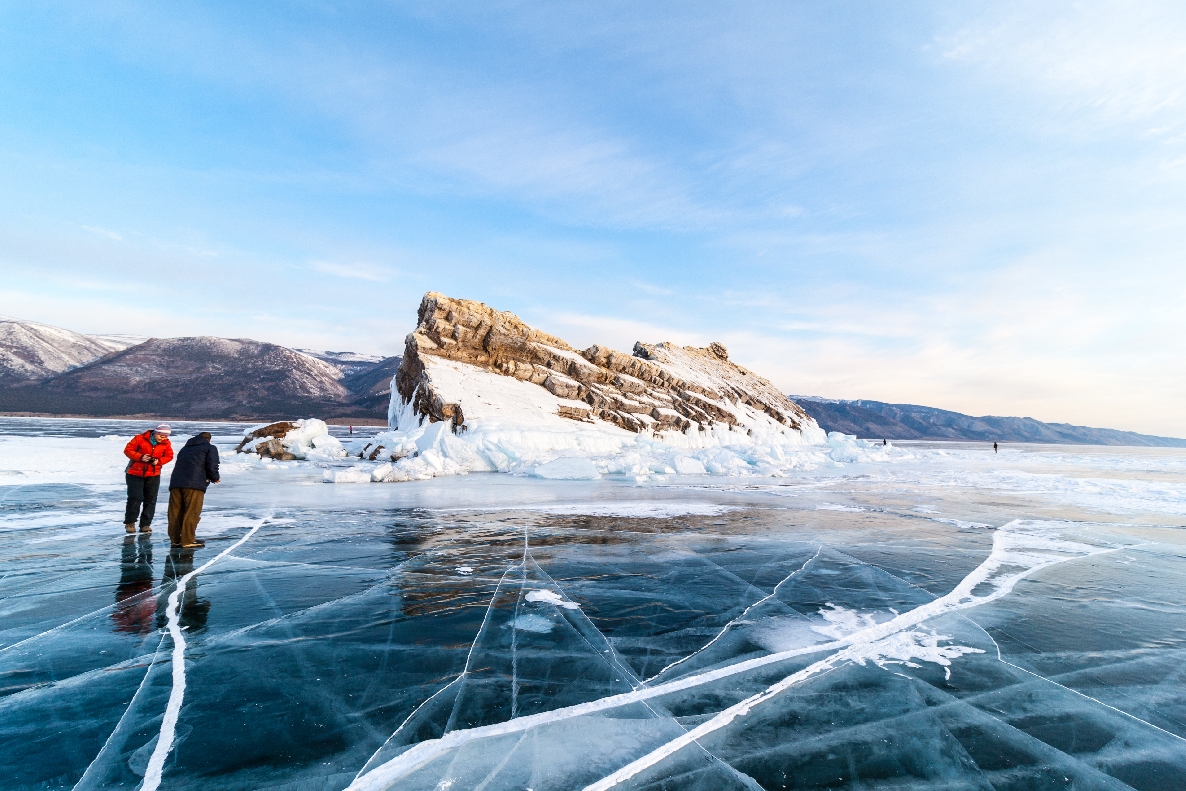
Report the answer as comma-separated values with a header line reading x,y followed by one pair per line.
x,y
340,644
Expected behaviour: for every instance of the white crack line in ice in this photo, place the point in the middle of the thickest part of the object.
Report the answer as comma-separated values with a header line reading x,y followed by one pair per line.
x,y
725,628
431,697
151,592
1013,547
615,662
470,656
515,631
1070,689
862,645
407,719
164,744
91,770
99,611
390,572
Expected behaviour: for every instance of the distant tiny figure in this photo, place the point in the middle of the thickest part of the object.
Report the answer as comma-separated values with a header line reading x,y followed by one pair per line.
x,y
148,453
883,442
196,468
994,447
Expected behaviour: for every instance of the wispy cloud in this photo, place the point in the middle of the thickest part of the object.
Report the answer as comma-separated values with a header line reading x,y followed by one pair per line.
x,y
1121,62
102,232
359,271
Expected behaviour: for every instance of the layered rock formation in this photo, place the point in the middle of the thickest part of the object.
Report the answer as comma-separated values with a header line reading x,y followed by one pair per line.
x,y
659,388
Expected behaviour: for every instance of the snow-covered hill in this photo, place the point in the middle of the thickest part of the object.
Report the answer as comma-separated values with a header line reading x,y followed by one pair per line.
x,y
30,351
215,377
348,363
50,370
877,419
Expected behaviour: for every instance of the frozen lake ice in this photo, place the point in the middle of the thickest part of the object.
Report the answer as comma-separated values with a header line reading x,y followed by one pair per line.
x,y
949,619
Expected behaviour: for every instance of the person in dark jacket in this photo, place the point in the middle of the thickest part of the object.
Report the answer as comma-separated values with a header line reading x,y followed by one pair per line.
x,y
148,453
196,468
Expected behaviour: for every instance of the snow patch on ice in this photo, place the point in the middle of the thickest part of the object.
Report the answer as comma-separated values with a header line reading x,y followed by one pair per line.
x,y
841,621
532,623
962,525
905,647
551,597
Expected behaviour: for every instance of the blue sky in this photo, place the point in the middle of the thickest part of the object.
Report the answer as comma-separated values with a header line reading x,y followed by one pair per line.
x,y
977,207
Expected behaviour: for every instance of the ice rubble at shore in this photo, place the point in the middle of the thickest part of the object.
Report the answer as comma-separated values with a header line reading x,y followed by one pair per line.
x,y
310,441
546,446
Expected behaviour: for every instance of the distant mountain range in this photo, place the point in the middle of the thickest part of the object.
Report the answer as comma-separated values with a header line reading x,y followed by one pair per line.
x,y
878,420
49,370
53,371
30,351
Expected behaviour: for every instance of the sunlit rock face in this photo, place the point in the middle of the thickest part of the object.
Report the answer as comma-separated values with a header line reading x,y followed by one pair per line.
x,y
659,388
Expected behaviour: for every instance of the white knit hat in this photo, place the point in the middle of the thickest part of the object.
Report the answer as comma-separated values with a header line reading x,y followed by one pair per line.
x,y
163,429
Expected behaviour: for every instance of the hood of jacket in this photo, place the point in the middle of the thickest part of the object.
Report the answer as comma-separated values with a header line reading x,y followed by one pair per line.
x,y
198,440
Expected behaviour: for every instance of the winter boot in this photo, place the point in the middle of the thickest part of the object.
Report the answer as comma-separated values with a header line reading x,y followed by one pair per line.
x,y
145,528
130,527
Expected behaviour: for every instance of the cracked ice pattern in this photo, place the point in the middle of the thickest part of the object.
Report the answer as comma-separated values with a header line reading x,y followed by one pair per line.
x,y
471,633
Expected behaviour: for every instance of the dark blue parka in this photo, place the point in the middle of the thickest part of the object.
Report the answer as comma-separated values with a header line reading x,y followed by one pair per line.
x,y
196,466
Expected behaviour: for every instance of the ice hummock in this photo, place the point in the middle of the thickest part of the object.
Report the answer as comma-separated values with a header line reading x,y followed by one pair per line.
x,y
310,440
420,451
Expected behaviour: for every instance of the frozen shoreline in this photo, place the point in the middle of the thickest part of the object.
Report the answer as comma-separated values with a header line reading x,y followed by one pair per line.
x,y
1103,480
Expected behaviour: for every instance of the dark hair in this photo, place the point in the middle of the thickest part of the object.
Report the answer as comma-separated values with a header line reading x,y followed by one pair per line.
x,y
206,436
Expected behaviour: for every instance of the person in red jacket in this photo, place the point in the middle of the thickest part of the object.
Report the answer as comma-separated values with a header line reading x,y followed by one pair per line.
x,y
148,453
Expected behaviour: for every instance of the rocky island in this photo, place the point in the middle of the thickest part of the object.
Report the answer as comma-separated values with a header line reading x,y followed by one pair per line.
x,y
459,345
480,390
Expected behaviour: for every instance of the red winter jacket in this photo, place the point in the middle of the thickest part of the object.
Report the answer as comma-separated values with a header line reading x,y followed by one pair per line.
x,y
141,445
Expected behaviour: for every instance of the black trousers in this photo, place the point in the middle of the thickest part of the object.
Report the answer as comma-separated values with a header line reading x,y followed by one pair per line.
x,y
141,491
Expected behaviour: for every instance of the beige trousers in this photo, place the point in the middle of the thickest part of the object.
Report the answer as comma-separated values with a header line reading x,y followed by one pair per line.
x,y
185,510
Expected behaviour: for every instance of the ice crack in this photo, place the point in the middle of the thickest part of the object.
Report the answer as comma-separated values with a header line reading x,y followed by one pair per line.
x,y
1019,549
164,745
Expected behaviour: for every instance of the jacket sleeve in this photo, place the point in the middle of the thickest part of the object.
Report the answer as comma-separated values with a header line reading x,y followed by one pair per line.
x,y
212,464
167,456
130,449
